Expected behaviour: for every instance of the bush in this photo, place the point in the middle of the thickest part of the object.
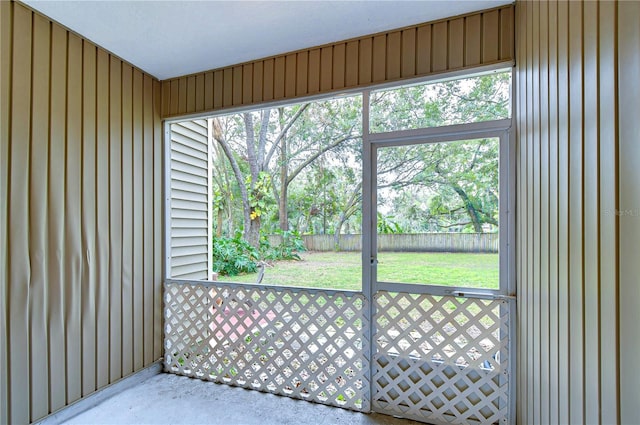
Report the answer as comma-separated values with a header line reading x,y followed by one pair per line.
x,y
232,256
287,249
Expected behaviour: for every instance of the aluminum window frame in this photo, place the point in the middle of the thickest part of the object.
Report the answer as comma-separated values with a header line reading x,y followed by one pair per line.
x,y
493,129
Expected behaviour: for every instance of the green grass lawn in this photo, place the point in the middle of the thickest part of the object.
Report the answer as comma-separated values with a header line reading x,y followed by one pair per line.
x,y
342,270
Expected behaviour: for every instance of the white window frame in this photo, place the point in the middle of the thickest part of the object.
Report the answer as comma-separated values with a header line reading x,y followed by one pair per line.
x,y
500,130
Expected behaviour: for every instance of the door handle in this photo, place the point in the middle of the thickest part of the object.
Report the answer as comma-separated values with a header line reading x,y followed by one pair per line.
x,y
471,294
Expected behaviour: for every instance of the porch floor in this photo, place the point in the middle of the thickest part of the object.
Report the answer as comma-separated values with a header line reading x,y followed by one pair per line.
x,y
173,399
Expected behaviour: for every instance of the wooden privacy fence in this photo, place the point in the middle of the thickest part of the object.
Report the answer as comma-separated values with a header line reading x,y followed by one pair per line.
x,y
420,242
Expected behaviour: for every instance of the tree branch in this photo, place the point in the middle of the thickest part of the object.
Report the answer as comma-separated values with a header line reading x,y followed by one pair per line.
x,y
251,147
315,156
284,131
262,139
448,226
217,135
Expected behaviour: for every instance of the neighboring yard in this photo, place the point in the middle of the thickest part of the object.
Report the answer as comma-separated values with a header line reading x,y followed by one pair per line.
x,y
342,270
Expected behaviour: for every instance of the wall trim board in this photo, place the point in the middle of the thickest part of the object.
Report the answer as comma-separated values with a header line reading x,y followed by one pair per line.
x,y
433,48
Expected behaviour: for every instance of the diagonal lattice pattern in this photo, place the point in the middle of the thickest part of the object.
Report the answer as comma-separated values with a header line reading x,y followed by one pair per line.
x,y
298,343
441,359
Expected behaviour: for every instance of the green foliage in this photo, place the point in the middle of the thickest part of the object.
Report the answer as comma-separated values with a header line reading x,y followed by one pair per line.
x,y
232,256
259,197
466,100
437,187
387,225
307,159
288,249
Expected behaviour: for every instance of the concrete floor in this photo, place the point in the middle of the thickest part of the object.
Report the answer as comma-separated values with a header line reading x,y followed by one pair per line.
x,y
173,399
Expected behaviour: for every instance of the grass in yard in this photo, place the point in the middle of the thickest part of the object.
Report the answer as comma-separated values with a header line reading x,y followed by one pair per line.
x,y
342,270
448,269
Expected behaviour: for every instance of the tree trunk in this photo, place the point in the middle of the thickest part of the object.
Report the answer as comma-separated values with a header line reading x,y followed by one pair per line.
x,y
219,224
336,234
253,234
283,214
231,220
217,134
471,210
349,210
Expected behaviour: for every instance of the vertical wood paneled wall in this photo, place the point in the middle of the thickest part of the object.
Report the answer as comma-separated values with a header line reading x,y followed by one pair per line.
x,y
474,40
629,208
81,172
578,206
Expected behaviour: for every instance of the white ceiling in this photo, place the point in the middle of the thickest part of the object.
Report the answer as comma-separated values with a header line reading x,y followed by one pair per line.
x,y
173,38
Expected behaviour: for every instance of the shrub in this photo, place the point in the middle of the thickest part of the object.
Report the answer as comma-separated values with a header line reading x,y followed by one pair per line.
x,y
287,249
232,256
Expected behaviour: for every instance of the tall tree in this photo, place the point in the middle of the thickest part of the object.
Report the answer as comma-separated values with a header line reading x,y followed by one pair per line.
x,y
281,163
329,126
446,185
455,184
254,156
264,148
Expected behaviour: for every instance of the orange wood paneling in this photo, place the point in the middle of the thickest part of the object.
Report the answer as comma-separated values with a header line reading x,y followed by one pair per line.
x,y
326,68
302,73
365,61
314,71
408,53
379,58
472,50
490,36
279,77
237,85
247,84
423,50
227,87
439,46
290,75
394,53
456,45
338,72
351,64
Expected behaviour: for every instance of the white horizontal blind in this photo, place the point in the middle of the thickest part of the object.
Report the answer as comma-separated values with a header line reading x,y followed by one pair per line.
x,y
189,200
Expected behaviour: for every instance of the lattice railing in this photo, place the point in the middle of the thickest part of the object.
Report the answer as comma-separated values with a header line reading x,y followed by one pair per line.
x,y
299,343
441,359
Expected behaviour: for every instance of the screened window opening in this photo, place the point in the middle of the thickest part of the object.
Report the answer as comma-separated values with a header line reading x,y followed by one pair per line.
x,y
274,196
438,213
286,195
461,101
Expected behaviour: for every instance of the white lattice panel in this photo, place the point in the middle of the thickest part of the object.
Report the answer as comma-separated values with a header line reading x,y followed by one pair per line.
x,y
302,344
441,359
